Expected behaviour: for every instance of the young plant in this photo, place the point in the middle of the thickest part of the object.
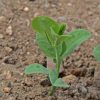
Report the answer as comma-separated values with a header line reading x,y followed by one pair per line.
x,y
96,52
56,45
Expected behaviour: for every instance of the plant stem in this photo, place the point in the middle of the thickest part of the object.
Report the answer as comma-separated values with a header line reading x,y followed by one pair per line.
x,y
58,62
53,88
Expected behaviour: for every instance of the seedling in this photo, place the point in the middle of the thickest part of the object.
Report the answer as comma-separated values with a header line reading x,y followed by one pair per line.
x,y
52,41
96,52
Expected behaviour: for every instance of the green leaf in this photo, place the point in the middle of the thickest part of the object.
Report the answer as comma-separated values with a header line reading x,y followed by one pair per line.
x,y
62,28
42,24
46,46
53,76
63,38
78,37
52,37
60,83
47,34
36,68
63,48
96,52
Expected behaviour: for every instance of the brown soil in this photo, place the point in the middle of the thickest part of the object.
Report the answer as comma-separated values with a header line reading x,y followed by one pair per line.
x,y
18,49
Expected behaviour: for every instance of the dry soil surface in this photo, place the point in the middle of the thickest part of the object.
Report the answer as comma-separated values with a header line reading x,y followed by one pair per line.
x,y
18,49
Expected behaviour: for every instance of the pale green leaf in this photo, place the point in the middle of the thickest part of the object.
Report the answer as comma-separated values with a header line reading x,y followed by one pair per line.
x,y
60,83
63,38
36,68
96,52
62,28
78,37
63,48
46,46
53,76
52,37
43,24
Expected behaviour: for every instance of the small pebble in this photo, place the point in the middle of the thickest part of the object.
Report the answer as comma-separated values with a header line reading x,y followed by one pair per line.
x,y
92,40
12,38
53,5
1,36
21,74
26,9
8,74
28,53
90,13
70,79
27,82
8,49
60,4
96,34
1,94
2,18
7,89
69,4
9,30
99,6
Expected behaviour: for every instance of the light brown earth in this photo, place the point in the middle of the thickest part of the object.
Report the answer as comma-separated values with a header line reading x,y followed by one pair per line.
x,y
18,49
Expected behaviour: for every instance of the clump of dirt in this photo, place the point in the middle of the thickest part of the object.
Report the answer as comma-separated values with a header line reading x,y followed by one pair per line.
x,y
18,48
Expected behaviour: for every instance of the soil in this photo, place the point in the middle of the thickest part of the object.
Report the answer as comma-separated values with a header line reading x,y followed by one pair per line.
x,y
18,49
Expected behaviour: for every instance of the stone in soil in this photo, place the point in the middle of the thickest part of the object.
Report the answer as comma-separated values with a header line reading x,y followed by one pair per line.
x,y
26,9
8,49
2,18
9,30
70,79
1,94
8,74
27,82
7,90
69,4
1,36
